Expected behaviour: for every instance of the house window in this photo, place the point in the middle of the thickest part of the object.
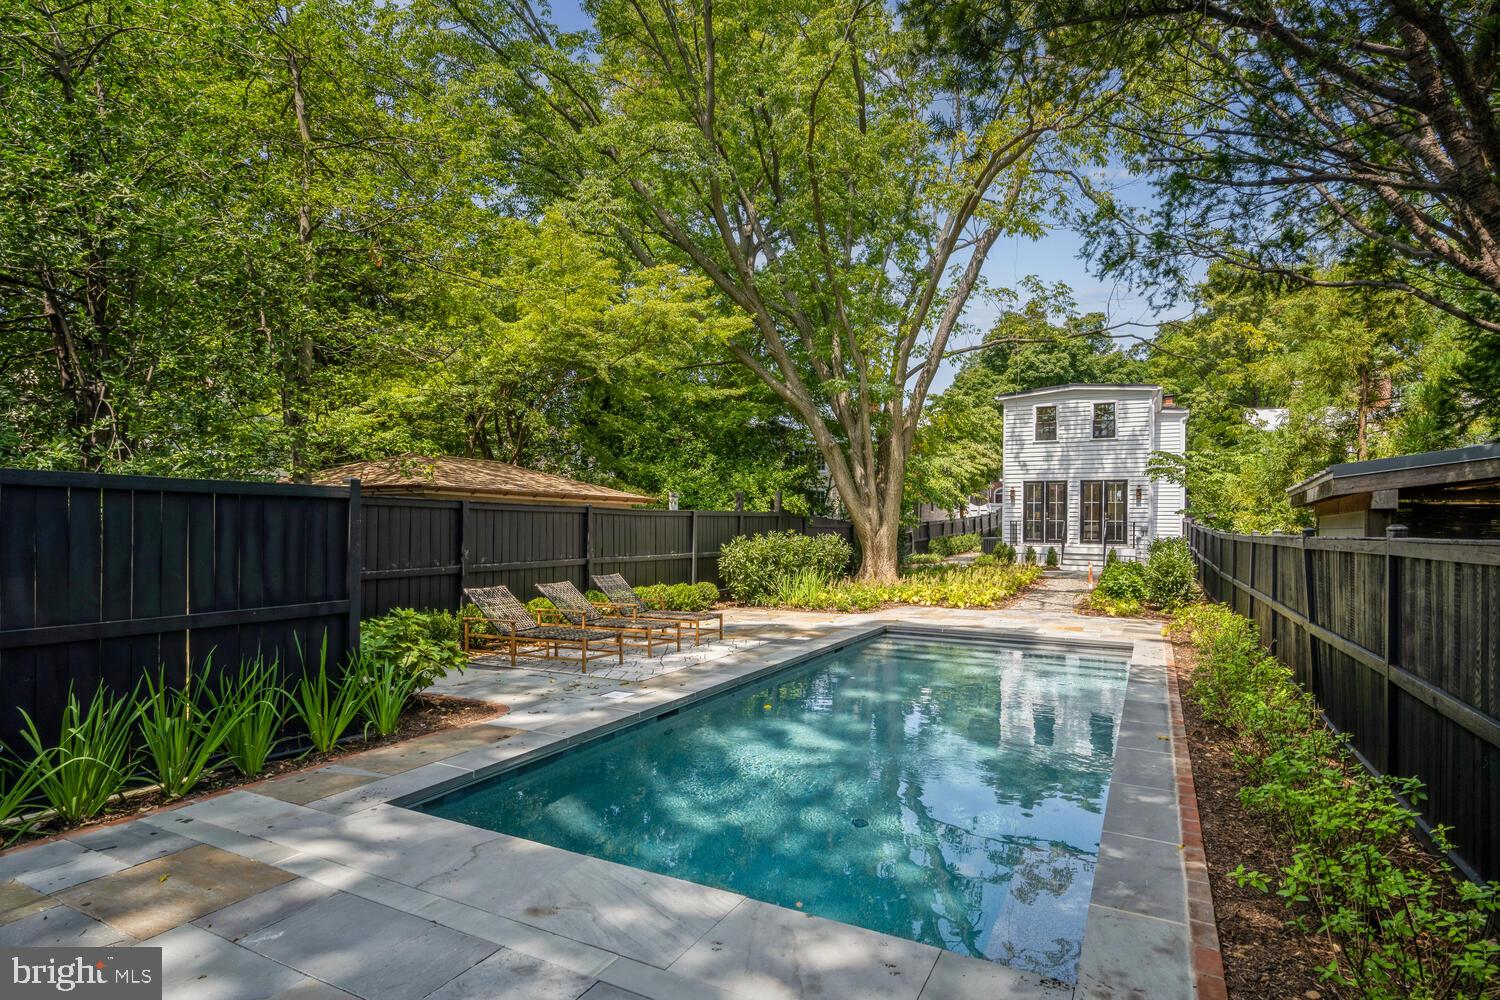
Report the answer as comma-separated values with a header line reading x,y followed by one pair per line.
x,y
1046,423
1046,511
1104,420
1102,511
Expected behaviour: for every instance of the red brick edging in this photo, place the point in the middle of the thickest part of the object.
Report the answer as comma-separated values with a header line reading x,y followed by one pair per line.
x,y
1208,960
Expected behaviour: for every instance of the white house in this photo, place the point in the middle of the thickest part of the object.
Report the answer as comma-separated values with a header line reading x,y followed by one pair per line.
x,y
1075,470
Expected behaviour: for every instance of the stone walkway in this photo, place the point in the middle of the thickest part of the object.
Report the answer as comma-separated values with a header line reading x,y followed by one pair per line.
x,y
320,884
1055,593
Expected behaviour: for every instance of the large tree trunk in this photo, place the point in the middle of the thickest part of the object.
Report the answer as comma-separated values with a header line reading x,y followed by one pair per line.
x,y
880,547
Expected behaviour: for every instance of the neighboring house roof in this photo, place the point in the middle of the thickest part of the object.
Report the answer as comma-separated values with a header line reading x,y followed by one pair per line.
x,y
1477,464
1267,418
475,478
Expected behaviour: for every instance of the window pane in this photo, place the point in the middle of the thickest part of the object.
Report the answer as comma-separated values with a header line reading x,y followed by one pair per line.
x,y
1092,512
1046,423
1056,527
1104,420
1114,511
1033,512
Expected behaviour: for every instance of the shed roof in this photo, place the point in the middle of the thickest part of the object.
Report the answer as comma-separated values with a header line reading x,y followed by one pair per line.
x,y
479,478
1455,467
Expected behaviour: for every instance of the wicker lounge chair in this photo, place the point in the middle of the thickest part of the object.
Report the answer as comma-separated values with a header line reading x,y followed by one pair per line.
x,y
516,629
624,597
577,610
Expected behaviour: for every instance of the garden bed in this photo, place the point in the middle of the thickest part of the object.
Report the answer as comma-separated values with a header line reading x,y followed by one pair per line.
x,y
428,713
1263,957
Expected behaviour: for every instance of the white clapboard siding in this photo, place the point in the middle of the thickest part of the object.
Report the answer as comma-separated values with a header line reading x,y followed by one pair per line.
x,y
1141,427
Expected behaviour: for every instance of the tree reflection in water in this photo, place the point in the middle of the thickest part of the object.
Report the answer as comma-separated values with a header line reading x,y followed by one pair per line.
x,y
950,794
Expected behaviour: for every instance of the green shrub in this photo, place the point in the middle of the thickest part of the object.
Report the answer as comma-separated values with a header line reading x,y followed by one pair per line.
x,y
1402,924
258,701
1030,556
972,586
1005,552
753,566
423,643
18,785
1111,557
1122,581
1170,573
327,707
678,596
538,604
924,559
180,737
388,688
986,559
952,545
91,760
1051,557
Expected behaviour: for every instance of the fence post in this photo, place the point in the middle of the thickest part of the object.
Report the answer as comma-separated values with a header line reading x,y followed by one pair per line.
x,y
463,550
1392,639
1310,599
588,545
355,568
739,510
693,542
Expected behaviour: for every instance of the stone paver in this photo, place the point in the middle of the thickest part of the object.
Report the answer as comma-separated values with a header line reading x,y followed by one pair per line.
x,y
59,927
197,965
639,914
368,949
155,896
131,843
510,975
304,786
18,900
767,951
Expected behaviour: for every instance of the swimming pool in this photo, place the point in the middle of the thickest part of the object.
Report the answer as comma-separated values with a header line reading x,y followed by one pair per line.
x,y
944,791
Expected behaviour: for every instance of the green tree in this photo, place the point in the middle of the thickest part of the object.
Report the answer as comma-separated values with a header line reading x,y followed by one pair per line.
x,y
838,187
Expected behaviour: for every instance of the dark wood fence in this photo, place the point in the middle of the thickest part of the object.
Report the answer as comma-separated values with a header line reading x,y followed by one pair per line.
x,y
422,553
982,524
106,578
1399,639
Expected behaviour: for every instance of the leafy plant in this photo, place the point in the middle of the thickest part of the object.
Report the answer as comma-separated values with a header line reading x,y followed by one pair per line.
x,y
1030,555
91,760
1051,557
181,739
18,786
1005,552
388,688
255,698
924,559
1170,573
1400,923
753,566
424,644
970,586
327,707
679,596
986,559
952,545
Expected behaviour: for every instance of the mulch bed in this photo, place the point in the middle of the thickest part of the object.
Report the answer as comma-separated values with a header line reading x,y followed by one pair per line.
x,y
428,713
1263,957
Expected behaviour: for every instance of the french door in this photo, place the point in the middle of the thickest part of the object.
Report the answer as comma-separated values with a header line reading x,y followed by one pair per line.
x,y
1046,511
1101,512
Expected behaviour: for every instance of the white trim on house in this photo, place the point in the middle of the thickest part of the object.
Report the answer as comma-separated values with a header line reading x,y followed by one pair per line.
x,y
1142,425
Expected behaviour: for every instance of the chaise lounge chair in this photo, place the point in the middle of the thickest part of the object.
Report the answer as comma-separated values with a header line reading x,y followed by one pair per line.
x,y
517,629
577,610
629,603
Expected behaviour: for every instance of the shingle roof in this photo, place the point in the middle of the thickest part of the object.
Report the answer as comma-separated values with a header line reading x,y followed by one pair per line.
x,y
478,477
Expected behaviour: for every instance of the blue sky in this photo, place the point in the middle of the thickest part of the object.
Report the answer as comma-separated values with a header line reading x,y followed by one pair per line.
x,y
1056,257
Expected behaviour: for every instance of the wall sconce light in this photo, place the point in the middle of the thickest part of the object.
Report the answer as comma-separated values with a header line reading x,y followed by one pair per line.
x,y
1139,493
1012,494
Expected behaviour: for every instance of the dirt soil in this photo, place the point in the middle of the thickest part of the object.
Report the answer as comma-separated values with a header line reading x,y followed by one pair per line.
x,y
1263,957
428,713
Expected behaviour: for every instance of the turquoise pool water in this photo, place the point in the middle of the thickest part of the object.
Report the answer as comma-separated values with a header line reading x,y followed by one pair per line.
x,y
947,792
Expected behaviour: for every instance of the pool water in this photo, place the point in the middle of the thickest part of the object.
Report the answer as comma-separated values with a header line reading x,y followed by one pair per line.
x,y
944,791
